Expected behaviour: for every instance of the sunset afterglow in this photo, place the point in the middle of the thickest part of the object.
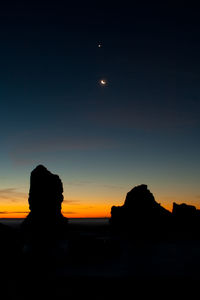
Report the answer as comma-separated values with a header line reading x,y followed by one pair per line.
x,y
106,101
79,201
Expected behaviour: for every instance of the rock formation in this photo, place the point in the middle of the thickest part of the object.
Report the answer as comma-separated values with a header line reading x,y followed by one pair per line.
x,y
45,199
184,210
140,213
186,218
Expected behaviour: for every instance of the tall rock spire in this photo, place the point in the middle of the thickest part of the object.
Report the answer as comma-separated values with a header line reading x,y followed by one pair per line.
x,y
45,200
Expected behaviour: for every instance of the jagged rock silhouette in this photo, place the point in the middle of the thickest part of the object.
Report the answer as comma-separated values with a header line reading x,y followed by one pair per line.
x,y
184,210
45,199
186,218
140,213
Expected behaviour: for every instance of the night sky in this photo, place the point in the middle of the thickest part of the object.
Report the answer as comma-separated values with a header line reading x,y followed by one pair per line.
x,y
141,127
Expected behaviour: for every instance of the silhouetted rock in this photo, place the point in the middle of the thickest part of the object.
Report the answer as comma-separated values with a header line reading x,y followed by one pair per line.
x,y
45,199
186,218
140,213
184,210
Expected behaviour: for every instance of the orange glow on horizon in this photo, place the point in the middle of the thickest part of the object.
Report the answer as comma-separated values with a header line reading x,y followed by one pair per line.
x,y
82,211
99,208
13,215
86,210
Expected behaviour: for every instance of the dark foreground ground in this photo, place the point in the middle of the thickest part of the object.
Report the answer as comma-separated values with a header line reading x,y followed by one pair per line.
x,y
92,262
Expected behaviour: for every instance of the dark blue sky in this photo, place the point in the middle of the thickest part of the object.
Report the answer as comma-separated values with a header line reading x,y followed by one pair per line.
x,y
142,127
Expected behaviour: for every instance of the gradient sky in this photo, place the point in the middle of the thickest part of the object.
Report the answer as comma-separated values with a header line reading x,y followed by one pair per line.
x,y
143,127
